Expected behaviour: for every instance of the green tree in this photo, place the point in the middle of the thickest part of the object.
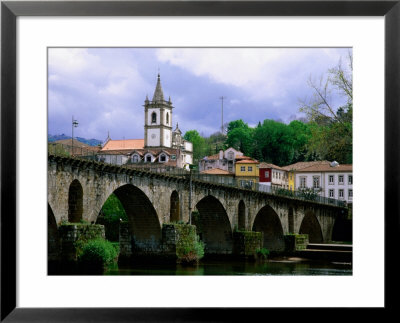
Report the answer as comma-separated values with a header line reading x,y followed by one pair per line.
x,y
301,134
275,140
240,137
199,144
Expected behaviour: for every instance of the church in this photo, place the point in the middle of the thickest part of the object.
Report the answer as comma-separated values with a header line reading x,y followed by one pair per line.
x,y
161,146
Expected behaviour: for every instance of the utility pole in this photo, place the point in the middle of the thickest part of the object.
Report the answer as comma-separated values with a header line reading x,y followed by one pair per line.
x,y
74,125
222,114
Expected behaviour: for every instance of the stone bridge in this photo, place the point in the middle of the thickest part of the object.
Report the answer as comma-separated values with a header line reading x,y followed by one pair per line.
x,y
77,190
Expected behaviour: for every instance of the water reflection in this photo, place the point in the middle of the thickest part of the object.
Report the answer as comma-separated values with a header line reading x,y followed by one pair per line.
x,y
272,267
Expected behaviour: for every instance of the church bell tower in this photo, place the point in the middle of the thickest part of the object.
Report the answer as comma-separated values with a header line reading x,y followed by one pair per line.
x,y
158,120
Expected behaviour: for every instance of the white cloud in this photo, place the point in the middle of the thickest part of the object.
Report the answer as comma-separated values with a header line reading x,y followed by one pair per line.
x,y
261,72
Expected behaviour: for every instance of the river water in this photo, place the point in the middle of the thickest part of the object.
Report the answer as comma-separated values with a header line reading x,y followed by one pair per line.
x,y
279,266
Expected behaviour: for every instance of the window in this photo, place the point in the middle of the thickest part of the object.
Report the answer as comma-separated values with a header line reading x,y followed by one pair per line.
x,y
230,155
167,118
350,179
316,181
350,193
331,193
341,193
279,175
148,158
242,168
135,158
302,182
250,168
162,158
341,179
331,179
153,117
266,173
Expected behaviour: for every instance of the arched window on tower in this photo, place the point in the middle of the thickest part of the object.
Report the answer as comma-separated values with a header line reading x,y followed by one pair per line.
x,y
167,118
153,117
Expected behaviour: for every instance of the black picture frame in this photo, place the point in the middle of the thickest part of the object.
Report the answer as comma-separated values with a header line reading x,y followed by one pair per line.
x,y
10,10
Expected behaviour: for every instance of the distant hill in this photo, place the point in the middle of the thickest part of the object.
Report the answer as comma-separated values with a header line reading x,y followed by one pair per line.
x,y
90,142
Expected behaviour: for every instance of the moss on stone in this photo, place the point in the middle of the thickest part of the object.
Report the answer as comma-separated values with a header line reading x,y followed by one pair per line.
x,y
188,247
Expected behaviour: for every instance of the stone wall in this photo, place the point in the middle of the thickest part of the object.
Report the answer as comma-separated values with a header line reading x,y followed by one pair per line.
x,y
177,239
71,233
295,242
246,243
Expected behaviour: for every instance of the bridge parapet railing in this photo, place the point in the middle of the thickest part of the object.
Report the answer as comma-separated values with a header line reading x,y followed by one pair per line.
x,y
92,154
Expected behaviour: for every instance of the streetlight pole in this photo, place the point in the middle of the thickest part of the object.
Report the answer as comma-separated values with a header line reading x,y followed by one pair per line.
x,y
190,195
74,125
222,114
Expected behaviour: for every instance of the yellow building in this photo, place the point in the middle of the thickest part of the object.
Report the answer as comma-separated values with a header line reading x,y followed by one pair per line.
x,y
291,180
247,172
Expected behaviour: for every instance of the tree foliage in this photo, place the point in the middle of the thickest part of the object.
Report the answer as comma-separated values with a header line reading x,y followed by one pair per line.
x,y
332,125
199,144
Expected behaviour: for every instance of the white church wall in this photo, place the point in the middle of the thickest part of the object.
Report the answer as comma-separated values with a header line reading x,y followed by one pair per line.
x,y
167,138
153,137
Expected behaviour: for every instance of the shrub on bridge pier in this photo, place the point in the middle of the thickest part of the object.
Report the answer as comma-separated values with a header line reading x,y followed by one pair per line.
x,y
97,255
182,241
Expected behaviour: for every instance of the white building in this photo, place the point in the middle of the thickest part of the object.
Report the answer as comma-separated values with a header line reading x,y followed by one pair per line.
x,y
329,179
224,160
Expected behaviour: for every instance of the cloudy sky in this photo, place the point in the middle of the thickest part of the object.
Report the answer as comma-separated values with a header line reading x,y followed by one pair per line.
x,y
105,88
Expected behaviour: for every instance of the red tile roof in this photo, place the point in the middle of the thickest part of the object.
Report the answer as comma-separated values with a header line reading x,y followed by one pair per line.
x,y
268,165
301,165
247,161
319,166
217,171
126,144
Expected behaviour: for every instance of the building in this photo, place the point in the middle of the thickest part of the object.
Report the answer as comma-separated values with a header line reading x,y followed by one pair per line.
x,y
291,169
273,175
74,148
224,160
246,172
161,145
329,179
118,152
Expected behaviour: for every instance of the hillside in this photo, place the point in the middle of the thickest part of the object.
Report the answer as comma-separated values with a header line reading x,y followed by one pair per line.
x,y
90,142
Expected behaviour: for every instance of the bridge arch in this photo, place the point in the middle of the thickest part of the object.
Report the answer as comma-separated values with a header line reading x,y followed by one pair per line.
x,y
311,226
174,211
144,225
213,226
53,239
75,201
342,229
241,216
267,221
